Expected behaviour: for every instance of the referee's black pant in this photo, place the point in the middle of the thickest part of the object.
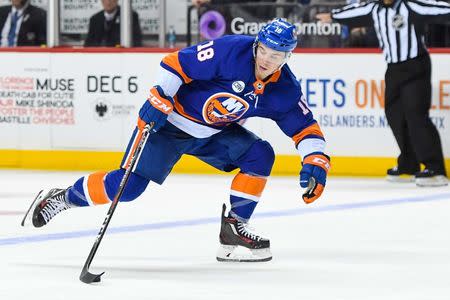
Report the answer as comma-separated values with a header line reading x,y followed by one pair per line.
x,y
407,105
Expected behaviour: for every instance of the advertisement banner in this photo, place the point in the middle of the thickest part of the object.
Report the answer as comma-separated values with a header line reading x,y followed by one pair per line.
x,y
249,17
89,101
72,100
345,92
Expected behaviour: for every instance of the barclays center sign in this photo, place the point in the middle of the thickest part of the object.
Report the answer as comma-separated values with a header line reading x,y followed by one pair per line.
x,y
240,26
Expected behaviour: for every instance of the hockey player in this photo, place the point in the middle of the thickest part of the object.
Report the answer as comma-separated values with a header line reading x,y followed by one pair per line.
x,y
200,95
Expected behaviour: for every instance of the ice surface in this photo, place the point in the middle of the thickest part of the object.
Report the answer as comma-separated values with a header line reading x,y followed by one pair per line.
x,y
364,239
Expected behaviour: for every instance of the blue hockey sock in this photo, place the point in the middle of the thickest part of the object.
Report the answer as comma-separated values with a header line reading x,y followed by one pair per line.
x,y
101,187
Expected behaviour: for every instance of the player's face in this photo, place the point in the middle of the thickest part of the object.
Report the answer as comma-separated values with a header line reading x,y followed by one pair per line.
x,y
110,5
267,61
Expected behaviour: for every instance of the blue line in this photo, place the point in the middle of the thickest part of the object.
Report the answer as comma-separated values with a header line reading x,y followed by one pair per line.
x,y
203,221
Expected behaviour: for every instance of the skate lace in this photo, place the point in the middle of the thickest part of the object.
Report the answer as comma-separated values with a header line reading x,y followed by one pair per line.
x,y
54,205
247,231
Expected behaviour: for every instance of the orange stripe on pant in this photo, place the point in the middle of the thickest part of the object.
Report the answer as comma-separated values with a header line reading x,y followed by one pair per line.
x,y
96,188
248,184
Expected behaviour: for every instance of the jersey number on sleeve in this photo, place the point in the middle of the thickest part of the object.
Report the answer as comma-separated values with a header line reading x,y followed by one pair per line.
x,y
205,51
303,105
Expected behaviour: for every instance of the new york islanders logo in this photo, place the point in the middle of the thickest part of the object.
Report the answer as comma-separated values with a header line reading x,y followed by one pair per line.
x,y
223,108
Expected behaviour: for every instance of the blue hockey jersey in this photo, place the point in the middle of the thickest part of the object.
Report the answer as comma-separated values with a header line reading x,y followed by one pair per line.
x,y
219,87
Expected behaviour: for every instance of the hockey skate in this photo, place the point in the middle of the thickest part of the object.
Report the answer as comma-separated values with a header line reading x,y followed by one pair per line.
x,y
395,175
45,206
429,177
239,244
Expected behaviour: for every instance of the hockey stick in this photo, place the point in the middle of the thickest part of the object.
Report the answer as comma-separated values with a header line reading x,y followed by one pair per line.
x,y
311,186
85,275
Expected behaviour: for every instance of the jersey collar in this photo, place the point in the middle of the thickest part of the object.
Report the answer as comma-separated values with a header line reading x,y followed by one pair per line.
x,y
260,85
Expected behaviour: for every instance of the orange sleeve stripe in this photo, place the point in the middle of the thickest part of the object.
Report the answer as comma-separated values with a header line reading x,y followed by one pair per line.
x,y
248,184
314,129
96,188
172,61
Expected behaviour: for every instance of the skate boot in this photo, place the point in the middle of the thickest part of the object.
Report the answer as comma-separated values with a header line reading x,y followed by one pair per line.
x,y
45,206
395,175
429,177
238,243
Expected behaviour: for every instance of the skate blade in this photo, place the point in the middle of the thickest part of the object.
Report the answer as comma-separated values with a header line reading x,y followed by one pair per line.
x,y
227,253
435,181
401,179
27,219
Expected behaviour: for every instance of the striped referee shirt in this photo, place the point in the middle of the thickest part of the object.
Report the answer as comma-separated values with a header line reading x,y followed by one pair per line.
x,y
399,27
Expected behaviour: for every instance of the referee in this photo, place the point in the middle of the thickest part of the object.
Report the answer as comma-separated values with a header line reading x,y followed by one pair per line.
x,y
399,25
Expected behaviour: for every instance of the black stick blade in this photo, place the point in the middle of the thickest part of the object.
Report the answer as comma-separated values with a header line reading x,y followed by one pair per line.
x,y
88,277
